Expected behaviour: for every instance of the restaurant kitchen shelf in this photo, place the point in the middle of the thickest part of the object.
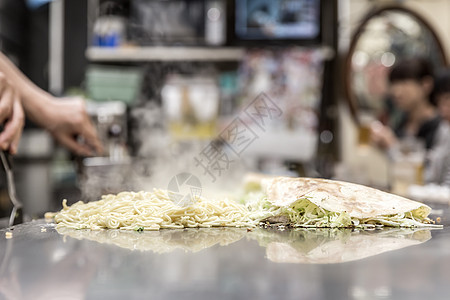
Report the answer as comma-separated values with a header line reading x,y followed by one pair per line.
x,y
160,53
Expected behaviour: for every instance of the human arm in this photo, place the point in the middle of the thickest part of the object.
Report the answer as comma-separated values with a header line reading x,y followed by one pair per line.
x,y
65,119
11,116
382,136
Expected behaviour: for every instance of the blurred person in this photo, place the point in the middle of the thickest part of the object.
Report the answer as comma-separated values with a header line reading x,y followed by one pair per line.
x,y
411,84
438,167
66,119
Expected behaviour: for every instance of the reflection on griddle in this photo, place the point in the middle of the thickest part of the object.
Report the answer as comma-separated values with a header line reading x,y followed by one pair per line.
x,y
322,246
162,241
310,246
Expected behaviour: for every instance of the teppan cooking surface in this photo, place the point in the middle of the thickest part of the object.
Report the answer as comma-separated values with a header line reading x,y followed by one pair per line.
x,y
41,262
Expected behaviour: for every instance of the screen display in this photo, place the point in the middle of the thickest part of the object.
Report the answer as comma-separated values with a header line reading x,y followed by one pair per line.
x,y
277,19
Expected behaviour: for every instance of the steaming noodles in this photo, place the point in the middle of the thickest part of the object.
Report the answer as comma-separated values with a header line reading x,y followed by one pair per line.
x,y
297,202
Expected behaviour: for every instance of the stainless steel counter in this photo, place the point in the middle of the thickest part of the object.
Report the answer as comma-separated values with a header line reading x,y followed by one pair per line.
x,y
41,262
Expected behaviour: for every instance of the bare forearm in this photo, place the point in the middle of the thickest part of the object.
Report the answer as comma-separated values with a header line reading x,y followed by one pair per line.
x,y
33,98
65,120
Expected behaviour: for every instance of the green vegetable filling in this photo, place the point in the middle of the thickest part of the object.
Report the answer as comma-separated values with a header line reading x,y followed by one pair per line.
x,y
304,213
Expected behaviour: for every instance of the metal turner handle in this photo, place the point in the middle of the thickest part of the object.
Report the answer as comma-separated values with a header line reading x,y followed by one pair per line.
x,y
16,214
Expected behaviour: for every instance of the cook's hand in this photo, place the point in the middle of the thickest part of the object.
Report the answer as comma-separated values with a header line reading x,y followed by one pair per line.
x,y
381,135
68,122
11,116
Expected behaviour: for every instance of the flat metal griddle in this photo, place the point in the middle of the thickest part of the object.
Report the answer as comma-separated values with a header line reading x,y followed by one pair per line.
x,y
42,263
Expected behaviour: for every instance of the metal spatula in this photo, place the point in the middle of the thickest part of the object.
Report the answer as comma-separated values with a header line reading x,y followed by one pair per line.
x,y
16,216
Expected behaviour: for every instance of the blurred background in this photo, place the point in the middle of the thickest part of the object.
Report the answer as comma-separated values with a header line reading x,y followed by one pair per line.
x,y
174,86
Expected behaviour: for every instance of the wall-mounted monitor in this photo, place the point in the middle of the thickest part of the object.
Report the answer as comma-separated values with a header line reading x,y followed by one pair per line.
x,y
277,21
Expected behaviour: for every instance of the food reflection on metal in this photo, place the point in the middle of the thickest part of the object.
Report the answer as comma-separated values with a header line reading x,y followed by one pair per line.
x,y
163,241
307,246
326,246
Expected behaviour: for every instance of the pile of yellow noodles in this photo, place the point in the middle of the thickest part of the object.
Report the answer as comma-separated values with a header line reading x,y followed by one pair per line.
x,y
151,211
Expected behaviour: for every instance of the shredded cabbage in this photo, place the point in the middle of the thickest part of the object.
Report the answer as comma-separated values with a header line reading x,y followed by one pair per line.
x,y
304,213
